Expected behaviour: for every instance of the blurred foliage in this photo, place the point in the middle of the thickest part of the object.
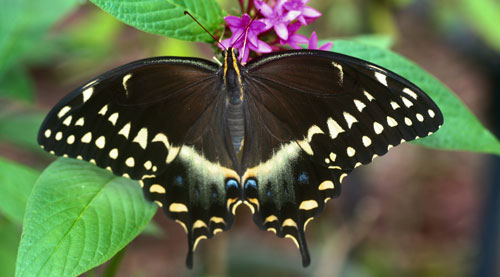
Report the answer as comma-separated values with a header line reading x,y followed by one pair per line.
x,y
42,56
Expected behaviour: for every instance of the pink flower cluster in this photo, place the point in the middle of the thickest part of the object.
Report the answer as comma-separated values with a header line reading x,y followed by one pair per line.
x,y
284,17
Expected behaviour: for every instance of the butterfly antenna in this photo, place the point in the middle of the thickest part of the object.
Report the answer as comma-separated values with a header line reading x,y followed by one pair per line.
x,y
215,39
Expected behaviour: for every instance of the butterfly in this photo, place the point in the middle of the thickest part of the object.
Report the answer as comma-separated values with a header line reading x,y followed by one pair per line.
x,y
278,134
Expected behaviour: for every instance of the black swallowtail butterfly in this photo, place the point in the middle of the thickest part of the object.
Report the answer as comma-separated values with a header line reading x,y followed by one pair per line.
x,y
279,134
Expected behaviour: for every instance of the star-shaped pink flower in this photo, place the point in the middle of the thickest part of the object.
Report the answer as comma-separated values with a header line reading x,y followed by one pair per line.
x,y
305,14
276,17
244,37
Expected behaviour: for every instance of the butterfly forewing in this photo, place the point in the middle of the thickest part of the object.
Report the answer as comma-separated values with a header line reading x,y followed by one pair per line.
x,y
320,115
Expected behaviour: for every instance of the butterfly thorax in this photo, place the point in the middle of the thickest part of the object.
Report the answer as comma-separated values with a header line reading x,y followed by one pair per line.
x,y
233,88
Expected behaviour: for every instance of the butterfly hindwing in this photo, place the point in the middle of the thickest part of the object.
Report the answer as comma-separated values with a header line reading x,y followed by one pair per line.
x,y
321,115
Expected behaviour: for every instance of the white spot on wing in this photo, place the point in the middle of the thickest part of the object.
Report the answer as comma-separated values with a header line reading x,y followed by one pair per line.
x,y
420,117
351,151
103,110
341,71
349,119
391,122
369,96
142,138
47,133
305,146
63,111
59,136
172,153
113,154
333,156
100,142
333,128
407,102
80,122
378,128
148,165
359,105
125,131
87,137
70,139
113,118
408,121
431,113
130,162
382,78
394,105
87,94
163,139
313,131
410,93
67,121
125,80
366,141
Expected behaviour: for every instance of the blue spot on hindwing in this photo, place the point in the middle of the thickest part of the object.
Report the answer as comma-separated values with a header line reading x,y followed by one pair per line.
x,y
303,178
178,180
250,184
231,184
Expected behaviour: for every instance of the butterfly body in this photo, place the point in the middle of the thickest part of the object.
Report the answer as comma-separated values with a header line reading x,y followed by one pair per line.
x,y
278,134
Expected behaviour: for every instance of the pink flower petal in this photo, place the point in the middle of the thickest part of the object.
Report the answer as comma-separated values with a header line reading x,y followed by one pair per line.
x,y
226,43
291,15
264,47
281,30
326,46
302,20
233,21
310,12
268,23
313,41
264,8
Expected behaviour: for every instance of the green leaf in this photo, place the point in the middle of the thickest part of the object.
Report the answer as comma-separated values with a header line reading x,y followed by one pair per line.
x,y
16,183
10,233
78,216
483,16
21,127
17,84
166,17
461,129
23,24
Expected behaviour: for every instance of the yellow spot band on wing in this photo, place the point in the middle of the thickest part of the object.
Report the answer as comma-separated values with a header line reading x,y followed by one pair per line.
x,y
199,224
177,208
270,218
294,240
216,220
254,201
183,225
307,222
308,205
198,239
289,222
326,185
157,188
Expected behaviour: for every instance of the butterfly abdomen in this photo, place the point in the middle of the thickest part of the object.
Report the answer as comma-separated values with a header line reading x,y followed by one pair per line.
x,y
236,124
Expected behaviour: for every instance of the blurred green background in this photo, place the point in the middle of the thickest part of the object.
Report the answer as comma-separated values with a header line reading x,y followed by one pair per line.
x,y
414,212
